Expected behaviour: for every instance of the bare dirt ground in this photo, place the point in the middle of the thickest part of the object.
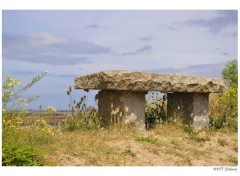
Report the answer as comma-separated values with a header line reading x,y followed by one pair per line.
x,y
166,145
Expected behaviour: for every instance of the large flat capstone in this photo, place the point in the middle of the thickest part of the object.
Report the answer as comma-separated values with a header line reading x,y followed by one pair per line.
x,y
144,81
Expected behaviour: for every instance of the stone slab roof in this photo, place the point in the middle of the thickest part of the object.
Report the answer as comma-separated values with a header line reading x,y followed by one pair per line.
x,y
145,81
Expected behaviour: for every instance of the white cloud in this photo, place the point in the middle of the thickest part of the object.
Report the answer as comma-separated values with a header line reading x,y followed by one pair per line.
x,y
143,50
46,39
50,49
224,19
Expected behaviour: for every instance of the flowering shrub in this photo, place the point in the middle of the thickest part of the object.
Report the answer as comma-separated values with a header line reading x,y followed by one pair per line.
x,y
15,150
12,90
42,125
18,148
13,123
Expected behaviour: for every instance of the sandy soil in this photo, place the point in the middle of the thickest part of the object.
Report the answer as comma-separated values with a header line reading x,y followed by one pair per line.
x,y
173,147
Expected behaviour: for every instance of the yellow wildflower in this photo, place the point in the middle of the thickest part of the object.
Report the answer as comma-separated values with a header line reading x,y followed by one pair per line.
x,y
43,122
52,109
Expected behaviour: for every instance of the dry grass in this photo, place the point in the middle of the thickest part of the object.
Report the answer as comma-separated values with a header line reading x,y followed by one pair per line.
x,y
166,145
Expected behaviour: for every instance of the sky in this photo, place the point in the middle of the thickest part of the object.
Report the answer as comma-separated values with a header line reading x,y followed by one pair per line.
x,y
72,43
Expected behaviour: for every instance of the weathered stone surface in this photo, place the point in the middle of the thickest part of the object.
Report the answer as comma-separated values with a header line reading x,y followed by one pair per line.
x,y
122,107
143,81
192,107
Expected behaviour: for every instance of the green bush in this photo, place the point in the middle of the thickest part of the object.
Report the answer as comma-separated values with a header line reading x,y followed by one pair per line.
x,y
20,144
224,107
16,154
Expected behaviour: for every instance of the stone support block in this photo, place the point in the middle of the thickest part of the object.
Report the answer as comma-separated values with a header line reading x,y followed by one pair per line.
x,y
122,107
192,107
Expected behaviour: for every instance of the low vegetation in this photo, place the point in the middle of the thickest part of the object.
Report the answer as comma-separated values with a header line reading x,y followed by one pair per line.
x,y
224,107
80,140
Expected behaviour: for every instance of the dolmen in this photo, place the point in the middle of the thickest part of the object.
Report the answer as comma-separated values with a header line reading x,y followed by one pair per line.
x,y
121,97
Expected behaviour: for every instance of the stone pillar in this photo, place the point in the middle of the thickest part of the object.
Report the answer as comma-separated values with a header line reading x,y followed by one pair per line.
x,y
121,107
192,107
